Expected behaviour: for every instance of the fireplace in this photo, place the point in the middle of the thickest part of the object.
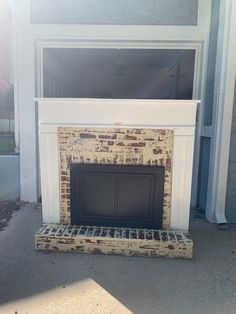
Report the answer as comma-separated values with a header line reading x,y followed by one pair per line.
x,y
117,195
92,154
116,132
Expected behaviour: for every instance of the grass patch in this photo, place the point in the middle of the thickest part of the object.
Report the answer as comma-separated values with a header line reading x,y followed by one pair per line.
x,y
7,144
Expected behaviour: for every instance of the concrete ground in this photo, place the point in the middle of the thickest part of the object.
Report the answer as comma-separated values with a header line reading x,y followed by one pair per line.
x,y
36,282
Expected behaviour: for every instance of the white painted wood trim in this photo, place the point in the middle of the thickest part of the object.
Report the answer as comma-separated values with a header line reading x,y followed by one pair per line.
x,y
161,113
197,45
52,128
119,32
181,180
222,114
204,14
49,159
24,87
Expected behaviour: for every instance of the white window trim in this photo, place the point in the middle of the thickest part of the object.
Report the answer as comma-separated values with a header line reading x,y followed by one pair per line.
x,y
95,44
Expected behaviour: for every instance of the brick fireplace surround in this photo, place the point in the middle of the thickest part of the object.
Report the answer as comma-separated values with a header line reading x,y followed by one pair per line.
x,y
137,132
113,146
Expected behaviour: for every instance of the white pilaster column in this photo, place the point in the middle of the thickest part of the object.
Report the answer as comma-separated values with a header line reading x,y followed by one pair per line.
x,y
49,161
24,85
182,178
222,113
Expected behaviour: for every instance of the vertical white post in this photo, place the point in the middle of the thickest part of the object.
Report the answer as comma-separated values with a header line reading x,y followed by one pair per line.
x,y
222,114
24,46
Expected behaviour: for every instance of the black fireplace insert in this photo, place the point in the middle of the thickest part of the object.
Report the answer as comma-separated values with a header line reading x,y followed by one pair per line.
x,y
117,195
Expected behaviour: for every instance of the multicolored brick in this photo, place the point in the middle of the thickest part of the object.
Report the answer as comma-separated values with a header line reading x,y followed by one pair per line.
x,y
120,241
114,146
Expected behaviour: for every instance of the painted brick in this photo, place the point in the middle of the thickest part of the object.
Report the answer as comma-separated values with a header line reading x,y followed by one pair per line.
x,y
110,143
108,136
130,137
137,144
120,241
87,135
114,146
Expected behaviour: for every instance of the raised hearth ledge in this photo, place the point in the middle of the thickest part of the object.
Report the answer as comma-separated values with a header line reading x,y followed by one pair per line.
x,y
117,241
178,115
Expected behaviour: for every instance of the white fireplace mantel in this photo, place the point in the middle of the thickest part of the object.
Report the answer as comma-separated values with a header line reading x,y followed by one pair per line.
x,y
178,115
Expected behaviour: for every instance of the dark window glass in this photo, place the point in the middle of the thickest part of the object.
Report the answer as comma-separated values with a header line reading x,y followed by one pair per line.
x,y
119,73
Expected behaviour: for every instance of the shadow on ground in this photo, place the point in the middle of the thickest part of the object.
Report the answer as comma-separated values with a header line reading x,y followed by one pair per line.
x,y
33,281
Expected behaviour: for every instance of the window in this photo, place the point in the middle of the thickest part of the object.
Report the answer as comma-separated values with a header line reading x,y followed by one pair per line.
x,y
118,73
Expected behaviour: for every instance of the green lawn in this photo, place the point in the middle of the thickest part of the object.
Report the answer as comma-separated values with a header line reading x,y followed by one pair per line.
x,y
7,144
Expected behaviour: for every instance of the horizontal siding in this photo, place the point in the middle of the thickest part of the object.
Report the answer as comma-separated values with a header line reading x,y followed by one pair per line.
x,y
126,12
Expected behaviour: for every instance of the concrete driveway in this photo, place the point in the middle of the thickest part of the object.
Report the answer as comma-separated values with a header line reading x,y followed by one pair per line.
x,y
36,282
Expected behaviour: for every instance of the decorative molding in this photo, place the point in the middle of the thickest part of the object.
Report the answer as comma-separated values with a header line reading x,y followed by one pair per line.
x,y
118,112
96,42
181,181
49,157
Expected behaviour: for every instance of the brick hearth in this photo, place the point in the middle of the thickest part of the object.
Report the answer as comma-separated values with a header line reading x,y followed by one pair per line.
x,y
119,241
